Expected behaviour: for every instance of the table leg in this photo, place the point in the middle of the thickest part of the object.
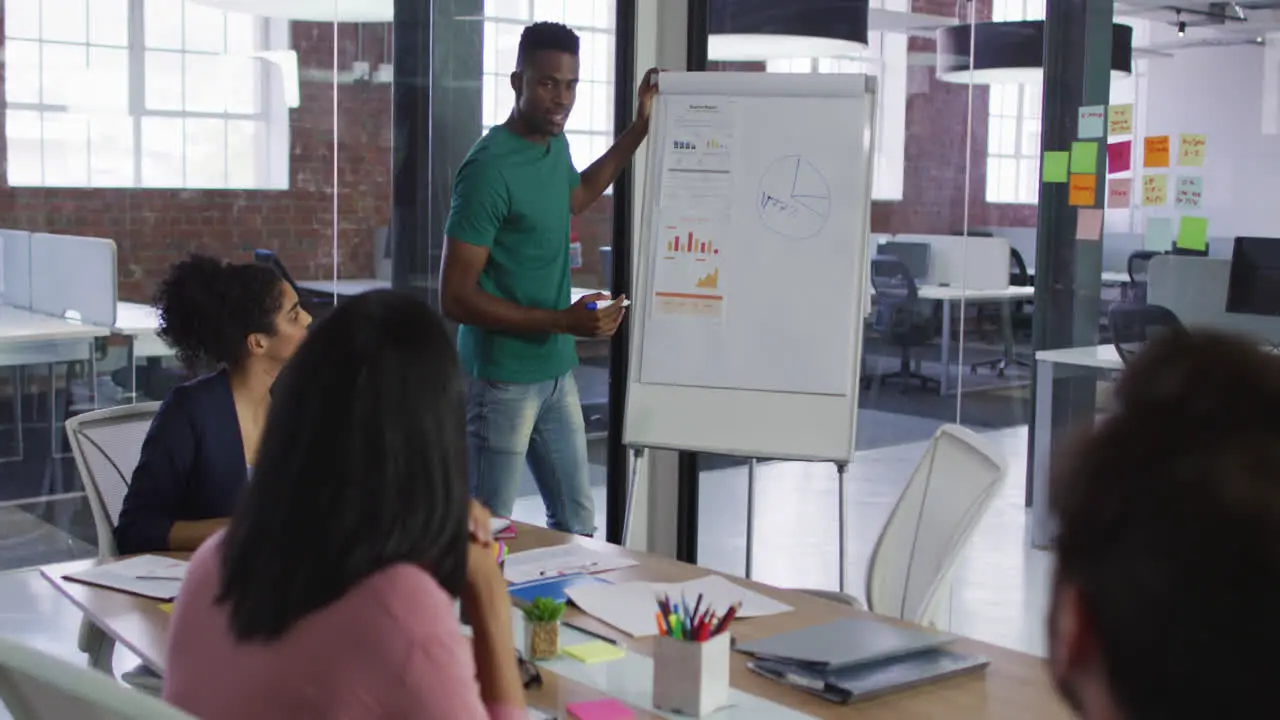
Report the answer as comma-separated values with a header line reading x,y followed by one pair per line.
x,y
841,472
945,382
1042,524
751,513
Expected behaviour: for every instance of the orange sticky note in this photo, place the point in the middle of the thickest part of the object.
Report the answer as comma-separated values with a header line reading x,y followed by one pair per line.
x,y
1155,190
1191,150
1083,191
1156,153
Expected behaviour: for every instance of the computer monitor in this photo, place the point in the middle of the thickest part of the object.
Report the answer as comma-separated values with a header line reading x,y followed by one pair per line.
x,y
915,255
1175,250
1254,287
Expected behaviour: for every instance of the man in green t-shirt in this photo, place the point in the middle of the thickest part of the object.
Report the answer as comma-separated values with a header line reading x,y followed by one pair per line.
x,y
505,280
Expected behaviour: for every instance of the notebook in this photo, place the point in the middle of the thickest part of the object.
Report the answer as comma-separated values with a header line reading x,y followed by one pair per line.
x,y
871,680
556,588
844,643
152,576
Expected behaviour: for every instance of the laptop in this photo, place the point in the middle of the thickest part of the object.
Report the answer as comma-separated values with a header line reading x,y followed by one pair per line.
x,y
844,643
874,679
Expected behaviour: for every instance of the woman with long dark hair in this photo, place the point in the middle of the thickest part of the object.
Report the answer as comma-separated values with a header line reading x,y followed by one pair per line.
x,y
330,595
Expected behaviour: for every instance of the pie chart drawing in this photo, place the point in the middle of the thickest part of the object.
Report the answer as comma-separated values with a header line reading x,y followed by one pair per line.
x,y
795,200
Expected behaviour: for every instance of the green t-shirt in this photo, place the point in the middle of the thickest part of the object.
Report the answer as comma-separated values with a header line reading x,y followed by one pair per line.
x,y
511,196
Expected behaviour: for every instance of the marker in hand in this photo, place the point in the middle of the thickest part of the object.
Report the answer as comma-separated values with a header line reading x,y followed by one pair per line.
x,y
602,304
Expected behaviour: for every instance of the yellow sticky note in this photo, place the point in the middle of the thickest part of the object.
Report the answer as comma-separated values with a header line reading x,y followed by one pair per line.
x,y
1155,190
594,652
1054,167
1193,233
1191,150
1083,190
167,607
1120,120
1084,158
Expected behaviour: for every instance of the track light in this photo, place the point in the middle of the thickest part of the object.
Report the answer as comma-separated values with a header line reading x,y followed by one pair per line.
x,y
1182,25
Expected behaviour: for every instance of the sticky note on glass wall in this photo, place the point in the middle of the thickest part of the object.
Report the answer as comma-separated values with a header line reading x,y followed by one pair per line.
x,y
1193,233
1084,157
1084,190
1191,150
1156,152
1159,235
1093,122
1119,157
1054,168
1155,190
1188,192
1089,224
1120,120
1120,193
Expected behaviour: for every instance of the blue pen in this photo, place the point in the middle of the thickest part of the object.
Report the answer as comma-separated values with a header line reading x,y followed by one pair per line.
x,y
597,304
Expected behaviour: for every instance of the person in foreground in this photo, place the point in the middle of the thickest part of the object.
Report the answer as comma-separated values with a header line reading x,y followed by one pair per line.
x,y
1168,573
330,595
505,279
246,322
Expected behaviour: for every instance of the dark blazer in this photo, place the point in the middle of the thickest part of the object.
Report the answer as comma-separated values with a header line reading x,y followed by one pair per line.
x,y
192,465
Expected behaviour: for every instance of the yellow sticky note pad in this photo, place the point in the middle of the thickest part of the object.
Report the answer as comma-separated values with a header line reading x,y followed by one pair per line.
x,y
594,652
167,607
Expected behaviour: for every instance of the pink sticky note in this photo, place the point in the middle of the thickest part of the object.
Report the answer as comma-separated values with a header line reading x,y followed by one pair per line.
x,y
604,709
1119,157
1119,192
1089,224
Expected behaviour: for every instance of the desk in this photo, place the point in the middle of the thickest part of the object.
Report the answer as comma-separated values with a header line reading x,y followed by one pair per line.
x,y
349,287
1014,687
1096,358
141,323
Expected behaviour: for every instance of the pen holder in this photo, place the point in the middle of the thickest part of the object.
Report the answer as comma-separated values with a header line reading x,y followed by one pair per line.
x,y
691,678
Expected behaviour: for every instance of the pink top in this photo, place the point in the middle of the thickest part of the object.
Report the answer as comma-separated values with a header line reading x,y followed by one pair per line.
x,y
390,648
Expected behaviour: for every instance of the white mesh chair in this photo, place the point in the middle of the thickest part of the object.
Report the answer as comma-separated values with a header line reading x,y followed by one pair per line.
x,y
36,686
106,445
948,493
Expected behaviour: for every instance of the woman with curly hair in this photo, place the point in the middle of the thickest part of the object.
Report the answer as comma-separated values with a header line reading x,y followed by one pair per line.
x,y
243,322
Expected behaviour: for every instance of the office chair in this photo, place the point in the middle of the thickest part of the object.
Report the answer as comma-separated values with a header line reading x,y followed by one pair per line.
x,y
271,260
1136,291
316,305
1133,326
901,319
1019,320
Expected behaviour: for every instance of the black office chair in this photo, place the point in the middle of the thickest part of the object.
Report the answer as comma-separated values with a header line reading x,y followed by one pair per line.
x,y
901,319
1135,292
317,305
1019,320
1133,326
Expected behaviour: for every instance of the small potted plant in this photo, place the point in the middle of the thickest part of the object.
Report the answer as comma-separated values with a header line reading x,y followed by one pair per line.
x,y
542,628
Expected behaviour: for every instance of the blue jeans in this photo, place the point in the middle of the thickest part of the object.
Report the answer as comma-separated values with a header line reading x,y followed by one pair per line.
x,y
510,424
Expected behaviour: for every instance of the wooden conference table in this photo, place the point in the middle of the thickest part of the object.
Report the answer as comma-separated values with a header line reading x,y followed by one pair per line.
x,y
1015,686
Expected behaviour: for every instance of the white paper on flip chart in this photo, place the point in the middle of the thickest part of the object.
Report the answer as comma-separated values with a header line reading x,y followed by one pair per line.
x,y
152,576
542,563
630,607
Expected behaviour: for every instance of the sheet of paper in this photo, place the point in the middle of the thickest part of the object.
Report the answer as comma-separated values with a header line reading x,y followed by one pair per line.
x,y
1089,224
1159,235
687,278
1084,190
1084,158
559,560
698,158
1191,150
1155,190
1119,157
1120,119
1155,152
1193,233
1188,192
1055,167
630,607
1093,122
1120,192
152,576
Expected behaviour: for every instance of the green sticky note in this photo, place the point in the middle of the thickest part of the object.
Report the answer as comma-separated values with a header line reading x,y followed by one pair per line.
x,y
1084,158
1054,167
1193,233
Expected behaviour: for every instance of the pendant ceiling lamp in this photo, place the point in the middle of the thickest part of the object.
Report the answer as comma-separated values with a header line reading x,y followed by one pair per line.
x,y
753,30
1012,52
345,11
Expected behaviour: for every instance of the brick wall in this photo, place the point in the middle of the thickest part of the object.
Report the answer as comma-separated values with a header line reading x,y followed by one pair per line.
x,y
154,228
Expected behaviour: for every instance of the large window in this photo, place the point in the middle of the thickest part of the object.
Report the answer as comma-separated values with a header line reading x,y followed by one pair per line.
x,y
142,93
590,126
885,57
1013,124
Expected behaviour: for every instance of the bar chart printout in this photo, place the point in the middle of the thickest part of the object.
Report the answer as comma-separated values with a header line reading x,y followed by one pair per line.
x,y
686,277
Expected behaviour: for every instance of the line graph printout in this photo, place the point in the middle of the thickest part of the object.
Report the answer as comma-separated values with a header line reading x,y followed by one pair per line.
x,y
697,159
687,277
